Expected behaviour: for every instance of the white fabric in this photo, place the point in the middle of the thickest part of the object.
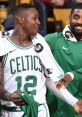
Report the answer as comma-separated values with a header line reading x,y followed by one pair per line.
x,y
66,31
48,60
42,112
71,74
5,45
23,65
62,93
45,55
71,37
11,114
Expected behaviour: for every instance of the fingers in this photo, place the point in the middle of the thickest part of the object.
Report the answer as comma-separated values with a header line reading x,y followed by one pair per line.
x,y
80,111
17,91
78,107
67,78
16,99
19,102
60,84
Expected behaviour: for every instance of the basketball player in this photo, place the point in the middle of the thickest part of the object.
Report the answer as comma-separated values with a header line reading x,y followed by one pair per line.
x,y
21,69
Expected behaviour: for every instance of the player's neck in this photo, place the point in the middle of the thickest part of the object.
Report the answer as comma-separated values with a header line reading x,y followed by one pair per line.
x,y
20,38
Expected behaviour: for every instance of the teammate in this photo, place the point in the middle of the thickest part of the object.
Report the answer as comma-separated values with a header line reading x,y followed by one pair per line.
x,y
22,70
67,48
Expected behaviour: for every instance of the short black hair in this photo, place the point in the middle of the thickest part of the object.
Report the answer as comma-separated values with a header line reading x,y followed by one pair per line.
x,y
8,23
24,6
76,6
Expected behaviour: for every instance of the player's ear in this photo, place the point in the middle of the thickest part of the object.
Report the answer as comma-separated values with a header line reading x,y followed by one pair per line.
x,y
20,19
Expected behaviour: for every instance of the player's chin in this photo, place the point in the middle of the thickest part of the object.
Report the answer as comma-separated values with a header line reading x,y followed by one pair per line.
x,y
34,33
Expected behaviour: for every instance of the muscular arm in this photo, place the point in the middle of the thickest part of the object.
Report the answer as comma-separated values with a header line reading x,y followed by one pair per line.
x,y
2,90
76,75
4,94
65,95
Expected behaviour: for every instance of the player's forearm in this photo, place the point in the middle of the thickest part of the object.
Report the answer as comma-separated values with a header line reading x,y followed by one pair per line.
x,y
3,93
62,93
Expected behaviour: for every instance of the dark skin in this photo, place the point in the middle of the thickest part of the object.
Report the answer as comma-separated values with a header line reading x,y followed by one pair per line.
x,y
76,23
26,25
14,97
76,26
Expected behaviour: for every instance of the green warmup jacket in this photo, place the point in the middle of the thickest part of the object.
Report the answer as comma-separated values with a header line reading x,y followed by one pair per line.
x,y
69,56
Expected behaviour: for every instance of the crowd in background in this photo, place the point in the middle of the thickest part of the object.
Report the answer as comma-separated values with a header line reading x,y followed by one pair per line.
x,y
45,8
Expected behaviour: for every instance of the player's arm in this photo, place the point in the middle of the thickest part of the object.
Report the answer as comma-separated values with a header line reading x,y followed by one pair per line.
x,y
4,94
65,95
68,77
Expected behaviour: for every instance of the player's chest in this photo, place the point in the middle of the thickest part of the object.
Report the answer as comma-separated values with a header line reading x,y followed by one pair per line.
x,y
22,60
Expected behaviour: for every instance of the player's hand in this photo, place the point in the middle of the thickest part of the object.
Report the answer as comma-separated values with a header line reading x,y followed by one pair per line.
x,y
78,107
16,99
65,81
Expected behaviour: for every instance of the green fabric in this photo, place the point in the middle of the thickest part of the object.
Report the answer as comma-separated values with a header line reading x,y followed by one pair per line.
x,y
11,109
31,107
52,102
0,108
69,56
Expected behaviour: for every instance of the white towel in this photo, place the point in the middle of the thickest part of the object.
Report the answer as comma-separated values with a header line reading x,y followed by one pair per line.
x,y
5,45
43,50
68,34
54,71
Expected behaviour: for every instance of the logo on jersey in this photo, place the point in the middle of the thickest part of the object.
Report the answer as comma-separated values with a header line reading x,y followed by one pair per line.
x,y
38,47
49,71
64,48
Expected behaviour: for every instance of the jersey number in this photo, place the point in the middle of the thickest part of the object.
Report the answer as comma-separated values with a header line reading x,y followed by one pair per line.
x,y
27,85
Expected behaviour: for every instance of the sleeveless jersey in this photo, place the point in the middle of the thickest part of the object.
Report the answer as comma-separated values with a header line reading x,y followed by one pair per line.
x,y
23,71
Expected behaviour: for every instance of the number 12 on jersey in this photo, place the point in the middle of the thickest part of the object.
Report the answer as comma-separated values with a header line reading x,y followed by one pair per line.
x,y
27,84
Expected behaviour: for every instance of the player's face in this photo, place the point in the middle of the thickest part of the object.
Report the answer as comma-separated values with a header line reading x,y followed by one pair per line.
x,y
76,22
31,22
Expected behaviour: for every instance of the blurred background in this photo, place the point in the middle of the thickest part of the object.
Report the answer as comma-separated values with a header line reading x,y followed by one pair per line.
x,y
54,14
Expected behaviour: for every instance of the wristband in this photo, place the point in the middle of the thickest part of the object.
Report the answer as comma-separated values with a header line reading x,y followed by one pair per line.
x,y
71,74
